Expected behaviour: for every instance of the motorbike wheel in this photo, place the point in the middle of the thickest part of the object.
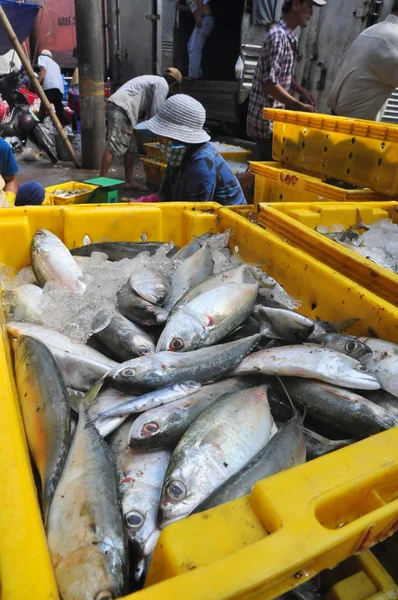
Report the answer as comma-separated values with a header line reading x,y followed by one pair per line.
x,y
39,137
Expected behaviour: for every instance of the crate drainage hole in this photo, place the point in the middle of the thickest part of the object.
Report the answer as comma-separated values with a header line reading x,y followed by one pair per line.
x,y
380,162
343,506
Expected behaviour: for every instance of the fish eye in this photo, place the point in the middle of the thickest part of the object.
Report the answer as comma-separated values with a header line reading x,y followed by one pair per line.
x,y
128,372
134,519
150,428
143,350
351,346
176,490
362,368
177,344
104,595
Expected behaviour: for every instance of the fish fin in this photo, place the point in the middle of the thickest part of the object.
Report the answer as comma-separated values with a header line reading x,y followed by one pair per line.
x,y
359,222
294,409
92,394
266,328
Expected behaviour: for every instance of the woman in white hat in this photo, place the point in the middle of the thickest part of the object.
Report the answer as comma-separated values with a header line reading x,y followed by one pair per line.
x,y
195,171
50,77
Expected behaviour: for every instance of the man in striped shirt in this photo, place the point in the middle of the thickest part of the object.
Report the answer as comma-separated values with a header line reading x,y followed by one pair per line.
x,y
273,78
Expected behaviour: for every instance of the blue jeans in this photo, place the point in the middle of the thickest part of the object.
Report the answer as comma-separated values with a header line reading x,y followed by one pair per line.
x,y
195,45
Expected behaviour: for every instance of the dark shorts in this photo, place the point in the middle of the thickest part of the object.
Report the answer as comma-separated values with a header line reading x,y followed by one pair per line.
x,y
120,137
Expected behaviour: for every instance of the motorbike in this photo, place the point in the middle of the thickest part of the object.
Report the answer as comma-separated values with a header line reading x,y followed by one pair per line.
x,y
19,121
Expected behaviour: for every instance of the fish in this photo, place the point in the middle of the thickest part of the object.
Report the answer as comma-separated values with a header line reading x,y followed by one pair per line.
x,y
271,293
383,362
323,327
125,339
241,274
283,324
85,530
23,304
44,402
190,249
346,344
151,399
163,426
286,449
384,399
208,318
166,368
309,361
105,400
224,438
118,250
52,261
138,310
190,273
318,445
150,285
347,410
80,365
140,480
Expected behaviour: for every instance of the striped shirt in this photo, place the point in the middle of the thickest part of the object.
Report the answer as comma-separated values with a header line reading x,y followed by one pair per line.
x,y
275,65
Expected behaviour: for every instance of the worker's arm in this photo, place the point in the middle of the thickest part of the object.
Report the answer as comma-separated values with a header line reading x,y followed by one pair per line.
x,y
42,74
11,183
182,7
308,97
198,13
276,91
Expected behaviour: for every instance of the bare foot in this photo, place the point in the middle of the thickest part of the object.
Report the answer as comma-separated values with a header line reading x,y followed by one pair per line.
x,y
134,185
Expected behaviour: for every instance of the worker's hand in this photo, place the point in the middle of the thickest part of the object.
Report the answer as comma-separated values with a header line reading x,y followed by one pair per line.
x,y
198,20
308,98
308,108
150,198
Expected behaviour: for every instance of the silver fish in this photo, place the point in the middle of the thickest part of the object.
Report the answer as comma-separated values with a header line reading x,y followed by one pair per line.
x,y
345,409
286,449
106,400
151,285
271,293
190,249
45,411
165,368
152,399
385,400
346,344
283,324
208,318
218,444
85,529
125,339
138,310
141,476
118,250
52,261
241,274
23,304
80,365
190,273
312,362
163,427
383,363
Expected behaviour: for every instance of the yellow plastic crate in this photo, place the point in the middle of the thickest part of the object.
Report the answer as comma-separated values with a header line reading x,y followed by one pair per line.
x,y
275,182
290,527
353,150
360,577
152,151
71,186
154,170
296,224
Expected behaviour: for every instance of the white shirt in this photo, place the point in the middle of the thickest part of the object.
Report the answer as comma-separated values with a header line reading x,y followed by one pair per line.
x,y
142,95
369,73
52,78
193,5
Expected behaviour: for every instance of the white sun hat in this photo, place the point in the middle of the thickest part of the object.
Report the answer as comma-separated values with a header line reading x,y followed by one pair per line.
x,y
46,53
180,118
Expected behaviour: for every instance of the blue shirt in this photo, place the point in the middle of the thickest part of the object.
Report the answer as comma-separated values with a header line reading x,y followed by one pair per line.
x,y
204,176
8,164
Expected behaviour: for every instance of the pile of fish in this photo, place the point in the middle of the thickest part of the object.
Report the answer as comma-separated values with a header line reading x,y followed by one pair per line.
x,y
189,391
378,243
61,193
